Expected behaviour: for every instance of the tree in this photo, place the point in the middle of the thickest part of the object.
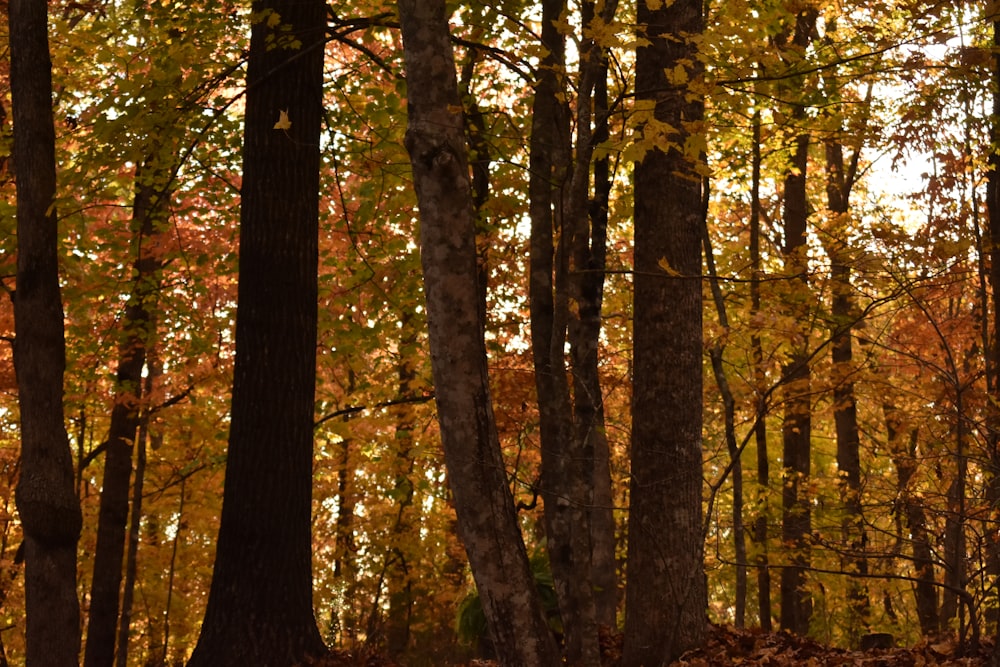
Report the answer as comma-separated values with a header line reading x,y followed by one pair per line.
x,y
666,594
46,500
487,522
139,325
260,603
796,428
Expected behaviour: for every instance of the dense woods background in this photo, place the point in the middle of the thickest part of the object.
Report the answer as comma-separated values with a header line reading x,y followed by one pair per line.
x,y
692,287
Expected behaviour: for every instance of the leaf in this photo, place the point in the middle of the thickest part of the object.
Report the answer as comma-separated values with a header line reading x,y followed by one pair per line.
x,y
283,122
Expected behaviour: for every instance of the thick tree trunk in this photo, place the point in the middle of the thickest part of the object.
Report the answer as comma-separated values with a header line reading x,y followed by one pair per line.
x,y
666,595
487,521
46,500
137,334
260,603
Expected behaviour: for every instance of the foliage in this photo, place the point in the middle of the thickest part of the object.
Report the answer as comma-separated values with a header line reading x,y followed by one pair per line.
x,y
134,81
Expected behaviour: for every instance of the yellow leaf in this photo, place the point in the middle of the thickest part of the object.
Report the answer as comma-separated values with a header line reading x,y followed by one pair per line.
x,y
273,19
283,122
665,265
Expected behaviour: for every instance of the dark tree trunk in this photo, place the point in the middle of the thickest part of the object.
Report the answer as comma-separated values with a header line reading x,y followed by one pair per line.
x,y
796,431
487,521
760,529
904,457
666,596
716,355
589,394
557,212
840,180
46,500
592,474
260,603
136,337
993,209
399,581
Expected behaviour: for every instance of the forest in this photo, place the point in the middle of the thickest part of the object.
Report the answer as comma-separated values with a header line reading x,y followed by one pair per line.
x,y
553,332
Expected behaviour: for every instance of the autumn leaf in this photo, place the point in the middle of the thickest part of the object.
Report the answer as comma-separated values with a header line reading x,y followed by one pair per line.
x,y
283,122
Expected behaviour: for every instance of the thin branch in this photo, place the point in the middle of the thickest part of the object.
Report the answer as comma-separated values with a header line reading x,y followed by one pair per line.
x,y
354,409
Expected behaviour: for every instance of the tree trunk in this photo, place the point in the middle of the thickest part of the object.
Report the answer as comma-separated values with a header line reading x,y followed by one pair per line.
x,y
715,354
487,521
796,432
260,603
590,395
399,580
137,333
839,184
993,210
46,500
666,592
904,458
132,553
559,208
760,530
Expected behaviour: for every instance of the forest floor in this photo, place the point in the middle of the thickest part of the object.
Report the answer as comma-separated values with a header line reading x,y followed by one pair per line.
x,y
729,646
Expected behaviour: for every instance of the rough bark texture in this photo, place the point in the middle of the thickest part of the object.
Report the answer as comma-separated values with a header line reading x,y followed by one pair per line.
x,y
260,604
666,597
567,473
589,393
137,324
487,522
46,501
574,450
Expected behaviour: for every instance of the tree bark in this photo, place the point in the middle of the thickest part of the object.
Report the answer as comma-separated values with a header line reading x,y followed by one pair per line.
x,y
260,603
993,211
46,501
904,457
487,521
796,431
589,394
760,529
666,593
113,515
557,212
715,353
840,179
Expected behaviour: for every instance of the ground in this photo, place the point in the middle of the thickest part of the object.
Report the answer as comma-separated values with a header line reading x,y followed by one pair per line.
x,y
728,646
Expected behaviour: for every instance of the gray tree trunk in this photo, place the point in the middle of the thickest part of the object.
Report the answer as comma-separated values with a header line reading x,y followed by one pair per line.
x,y
487,521
666,596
